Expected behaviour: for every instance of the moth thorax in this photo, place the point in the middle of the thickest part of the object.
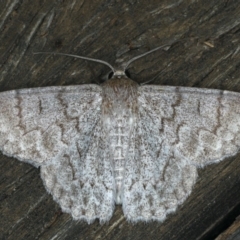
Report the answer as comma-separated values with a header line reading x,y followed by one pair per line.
x,y
119,112
119,95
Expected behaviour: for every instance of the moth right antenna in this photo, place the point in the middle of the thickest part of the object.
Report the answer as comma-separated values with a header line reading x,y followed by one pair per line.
x,y
144,54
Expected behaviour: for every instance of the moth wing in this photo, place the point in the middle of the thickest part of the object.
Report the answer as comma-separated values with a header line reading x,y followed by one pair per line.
x,y
60,130
177,131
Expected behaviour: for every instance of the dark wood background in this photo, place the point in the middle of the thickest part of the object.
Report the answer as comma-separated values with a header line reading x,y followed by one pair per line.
x,y
206,56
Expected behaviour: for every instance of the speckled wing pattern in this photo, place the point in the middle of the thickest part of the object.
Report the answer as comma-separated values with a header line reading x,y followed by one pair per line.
x,y
178,130
139,146
59,129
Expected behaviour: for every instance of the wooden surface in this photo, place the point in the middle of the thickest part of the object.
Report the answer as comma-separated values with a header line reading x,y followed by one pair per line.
x,y
232,233
206,56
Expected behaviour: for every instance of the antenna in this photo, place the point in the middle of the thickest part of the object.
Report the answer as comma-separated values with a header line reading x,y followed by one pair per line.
x,y
115,71
81,57
142,55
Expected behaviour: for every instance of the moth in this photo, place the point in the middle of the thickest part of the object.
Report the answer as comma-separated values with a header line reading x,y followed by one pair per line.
x,y
119,142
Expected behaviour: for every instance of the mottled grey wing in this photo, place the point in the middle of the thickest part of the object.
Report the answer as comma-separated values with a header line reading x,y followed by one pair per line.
x,y
178,130
60,129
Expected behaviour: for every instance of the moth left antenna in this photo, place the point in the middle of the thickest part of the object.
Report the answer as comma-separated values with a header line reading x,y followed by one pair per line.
x,y
81,57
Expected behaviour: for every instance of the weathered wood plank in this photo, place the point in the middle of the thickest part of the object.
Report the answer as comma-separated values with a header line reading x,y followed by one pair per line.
x,y
207,56
232,233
